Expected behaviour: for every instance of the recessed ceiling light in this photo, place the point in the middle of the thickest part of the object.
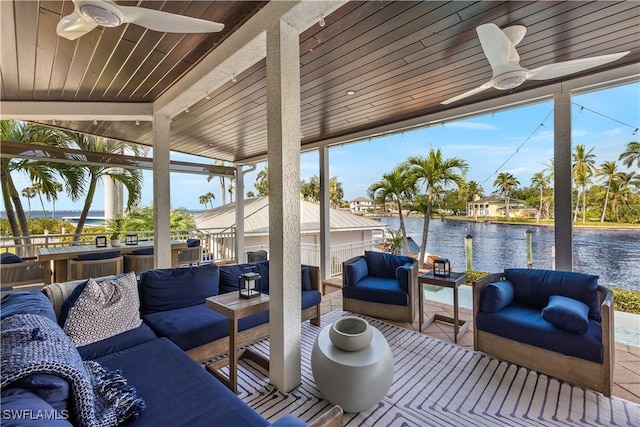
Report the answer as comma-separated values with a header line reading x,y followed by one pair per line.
x,y
351,92
137,122
95,122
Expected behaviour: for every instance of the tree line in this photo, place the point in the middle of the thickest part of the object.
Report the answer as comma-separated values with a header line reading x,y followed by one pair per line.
x,y
424,184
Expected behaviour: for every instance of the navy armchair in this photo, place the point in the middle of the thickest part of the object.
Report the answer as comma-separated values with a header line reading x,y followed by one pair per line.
x,y
381,285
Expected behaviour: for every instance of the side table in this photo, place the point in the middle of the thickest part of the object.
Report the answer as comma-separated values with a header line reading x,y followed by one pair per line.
x,y
235,308
454,281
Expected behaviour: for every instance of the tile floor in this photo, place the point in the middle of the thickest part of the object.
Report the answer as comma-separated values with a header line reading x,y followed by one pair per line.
x,y
627,369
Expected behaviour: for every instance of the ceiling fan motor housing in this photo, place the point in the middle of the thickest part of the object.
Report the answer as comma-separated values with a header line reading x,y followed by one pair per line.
x,y
100,15
510,79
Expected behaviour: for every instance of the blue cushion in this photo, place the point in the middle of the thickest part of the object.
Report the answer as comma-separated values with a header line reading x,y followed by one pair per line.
x,y
377,289
305,274
496,296
19,401
382,264
171,288
143,251
229,275
402,275
356,271
118,342
27,302
567,313
310,298
289,420
99,255
9,258
535,287
526,325
191,327
193,243
263,270
177,390
51,388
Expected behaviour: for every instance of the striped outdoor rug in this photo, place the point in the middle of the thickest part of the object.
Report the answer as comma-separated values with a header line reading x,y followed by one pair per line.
x,y
439,384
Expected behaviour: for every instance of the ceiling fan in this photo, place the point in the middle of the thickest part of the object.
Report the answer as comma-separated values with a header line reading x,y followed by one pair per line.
x,y
88,14
499,46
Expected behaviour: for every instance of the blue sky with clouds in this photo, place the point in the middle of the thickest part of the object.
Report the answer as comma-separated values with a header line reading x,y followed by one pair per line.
x,y
485,142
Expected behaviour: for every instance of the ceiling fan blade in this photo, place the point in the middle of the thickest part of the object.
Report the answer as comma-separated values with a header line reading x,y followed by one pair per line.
x,y
515,33
73,26
166,22
479,89
560,69
499,49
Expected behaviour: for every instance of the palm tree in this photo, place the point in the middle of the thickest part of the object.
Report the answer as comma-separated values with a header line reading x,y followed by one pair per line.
x,y
435,173
506,183
56,187
262,182
583,167
43,173
336,193
395,186
549,167
29,193
207,198
621,191
473,192
542,182
632,154
608,169
130,178
223,182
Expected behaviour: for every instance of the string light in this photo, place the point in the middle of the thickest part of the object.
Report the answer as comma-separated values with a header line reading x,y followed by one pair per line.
x,y
233,78
582,107
137,122
186,109
53,122
95,123
208,97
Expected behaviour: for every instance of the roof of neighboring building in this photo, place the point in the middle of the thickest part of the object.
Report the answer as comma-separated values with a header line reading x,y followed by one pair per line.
x,y
257,218
360,199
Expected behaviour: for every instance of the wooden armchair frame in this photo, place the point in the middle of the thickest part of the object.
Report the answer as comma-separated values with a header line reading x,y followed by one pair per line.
x,y
400,313
585,373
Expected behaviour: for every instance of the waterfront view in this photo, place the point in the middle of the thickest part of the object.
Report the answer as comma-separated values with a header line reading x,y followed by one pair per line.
x,y
612,254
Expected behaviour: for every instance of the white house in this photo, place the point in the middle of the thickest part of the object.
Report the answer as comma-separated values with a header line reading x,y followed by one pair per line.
x,y
361,205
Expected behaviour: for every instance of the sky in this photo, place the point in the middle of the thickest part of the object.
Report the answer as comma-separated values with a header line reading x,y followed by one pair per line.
x,y
518,141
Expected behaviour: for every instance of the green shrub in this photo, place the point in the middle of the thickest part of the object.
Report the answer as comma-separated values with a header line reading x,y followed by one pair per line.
x,y
475,275
627,300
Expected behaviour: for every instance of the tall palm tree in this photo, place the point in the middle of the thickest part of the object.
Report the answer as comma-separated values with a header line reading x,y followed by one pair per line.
x,y
549,167
131,179
506,183
542,182
608,169
395,186
336,192
621,191
56,187
29,193
473,192
435,173
631,154
583,168
207,198
40,172
223,182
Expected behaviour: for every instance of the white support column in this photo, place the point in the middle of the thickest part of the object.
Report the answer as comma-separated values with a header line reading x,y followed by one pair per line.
x,y
283,135
161,193
562,181
325,224
239,215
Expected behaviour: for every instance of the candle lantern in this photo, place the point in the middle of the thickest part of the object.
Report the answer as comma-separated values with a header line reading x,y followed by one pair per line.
x,y
250,283
441,267
101,241
131,239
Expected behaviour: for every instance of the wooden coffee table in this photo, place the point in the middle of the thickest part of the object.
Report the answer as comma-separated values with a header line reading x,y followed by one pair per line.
x,y
235,308
454,282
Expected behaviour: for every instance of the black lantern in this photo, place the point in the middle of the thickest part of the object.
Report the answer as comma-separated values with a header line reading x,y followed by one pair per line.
x,y
441,267
131,239
250,283
101,241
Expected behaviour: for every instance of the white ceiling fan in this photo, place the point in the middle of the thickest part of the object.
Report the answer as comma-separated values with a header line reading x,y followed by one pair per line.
x,y
499,47
88,14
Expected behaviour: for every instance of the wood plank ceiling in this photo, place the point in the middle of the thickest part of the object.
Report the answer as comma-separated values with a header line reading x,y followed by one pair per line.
x,y
401,58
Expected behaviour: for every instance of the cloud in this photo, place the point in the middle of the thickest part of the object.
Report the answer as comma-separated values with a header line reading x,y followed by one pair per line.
x,y
612,132
579,132
471,126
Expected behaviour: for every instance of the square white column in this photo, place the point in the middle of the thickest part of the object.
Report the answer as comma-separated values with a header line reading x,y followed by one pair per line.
x,y
161,193
562,175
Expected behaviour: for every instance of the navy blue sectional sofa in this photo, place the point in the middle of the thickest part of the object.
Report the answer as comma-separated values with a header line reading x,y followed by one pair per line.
x,y
381,285
176,389
559,323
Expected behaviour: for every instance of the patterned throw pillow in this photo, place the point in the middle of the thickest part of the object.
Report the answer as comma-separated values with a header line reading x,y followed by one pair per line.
x,y
104,310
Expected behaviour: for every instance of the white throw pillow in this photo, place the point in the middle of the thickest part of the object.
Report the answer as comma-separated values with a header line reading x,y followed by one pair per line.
x,y
104,310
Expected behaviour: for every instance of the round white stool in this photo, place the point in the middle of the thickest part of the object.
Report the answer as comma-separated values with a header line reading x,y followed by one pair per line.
x,y
355,380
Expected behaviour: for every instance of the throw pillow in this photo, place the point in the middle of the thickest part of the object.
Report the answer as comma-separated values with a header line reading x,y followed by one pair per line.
x,y
306,279
567,313
104,310
356,271
9,258
402,275
496,296
382,264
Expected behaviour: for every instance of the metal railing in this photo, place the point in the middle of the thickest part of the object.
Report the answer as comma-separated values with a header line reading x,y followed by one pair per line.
x,y
218,245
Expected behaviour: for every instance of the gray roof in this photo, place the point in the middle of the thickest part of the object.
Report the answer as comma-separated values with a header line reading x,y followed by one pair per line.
x,y
256,214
